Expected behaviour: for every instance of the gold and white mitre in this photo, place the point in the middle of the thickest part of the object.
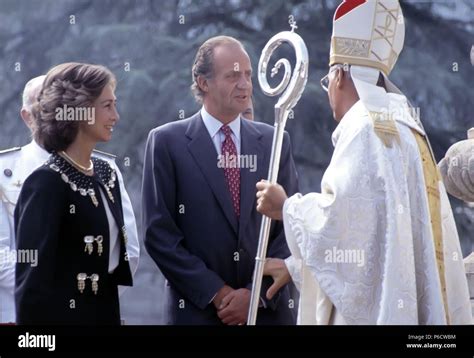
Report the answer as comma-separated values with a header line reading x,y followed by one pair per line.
x,y
368,33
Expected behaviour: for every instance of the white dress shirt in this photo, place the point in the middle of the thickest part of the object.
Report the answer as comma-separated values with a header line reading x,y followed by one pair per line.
x,y
213,126
114,244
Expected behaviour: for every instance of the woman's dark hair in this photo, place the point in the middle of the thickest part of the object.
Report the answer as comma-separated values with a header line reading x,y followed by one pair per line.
x,y
71,85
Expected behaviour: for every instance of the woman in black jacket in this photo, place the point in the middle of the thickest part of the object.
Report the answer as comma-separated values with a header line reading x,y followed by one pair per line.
x,y
69,209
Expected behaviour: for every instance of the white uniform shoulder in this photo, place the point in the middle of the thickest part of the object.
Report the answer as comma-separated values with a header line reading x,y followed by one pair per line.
x,y
9,151
9,159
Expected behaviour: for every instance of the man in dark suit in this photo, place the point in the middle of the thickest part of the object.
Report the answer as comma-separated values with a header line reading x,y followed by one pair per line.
x,y
199,204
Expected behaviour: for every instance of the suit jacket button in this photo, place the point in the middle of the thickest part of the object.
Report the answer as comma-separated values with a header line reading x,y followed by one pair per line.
x,y
8,173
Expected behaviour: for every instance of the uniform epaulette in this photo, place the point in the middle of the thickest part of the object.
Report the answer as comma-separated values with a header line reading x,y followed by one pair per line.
x,y
9,150
105,154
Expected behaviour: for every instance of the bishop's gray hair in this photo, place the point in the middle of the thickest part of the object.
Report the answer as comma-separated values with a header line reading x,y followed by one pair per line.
x,y
31,92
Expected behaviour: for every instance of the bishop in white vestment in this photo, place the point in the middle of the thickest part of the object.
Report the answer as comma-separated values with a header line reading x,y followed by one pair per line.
x,y
379,244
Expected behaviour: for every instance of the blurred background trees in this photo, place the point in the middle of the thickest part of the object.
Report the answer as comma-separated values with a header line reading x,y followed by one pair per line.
x,y
150,46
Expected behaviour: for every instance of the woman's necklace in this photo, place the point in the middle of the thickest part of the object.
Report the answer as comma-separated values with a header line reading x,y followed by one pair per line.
x,y
76,164
82,183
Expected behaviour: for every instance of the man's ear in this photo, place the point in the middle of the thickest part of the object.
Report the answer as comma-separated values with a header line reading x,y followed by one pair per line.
x,y
202,83
339,78
25,115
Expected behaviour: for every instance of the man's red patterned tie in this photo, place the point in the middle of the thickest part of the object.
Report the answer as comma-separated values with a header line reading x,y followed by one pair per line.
x,y
232,174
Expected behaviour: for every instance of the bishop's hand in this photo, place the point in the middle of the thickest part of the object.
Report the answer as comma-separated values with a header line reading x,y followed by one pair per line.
x,y
270,199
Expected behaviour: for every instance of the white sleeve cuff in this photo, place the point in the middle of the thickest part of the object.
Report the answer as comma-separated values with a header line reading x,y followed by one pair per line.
x,y
294,267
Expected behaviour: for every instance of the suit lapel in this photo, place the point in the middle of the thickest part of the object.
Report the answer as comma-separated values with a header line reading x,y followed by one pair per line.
x,y
251,147
204,153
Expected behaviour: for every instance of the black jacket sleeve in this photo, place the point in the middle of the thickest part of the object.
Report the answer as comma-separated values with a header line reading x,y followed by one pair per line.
x,y
37,216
